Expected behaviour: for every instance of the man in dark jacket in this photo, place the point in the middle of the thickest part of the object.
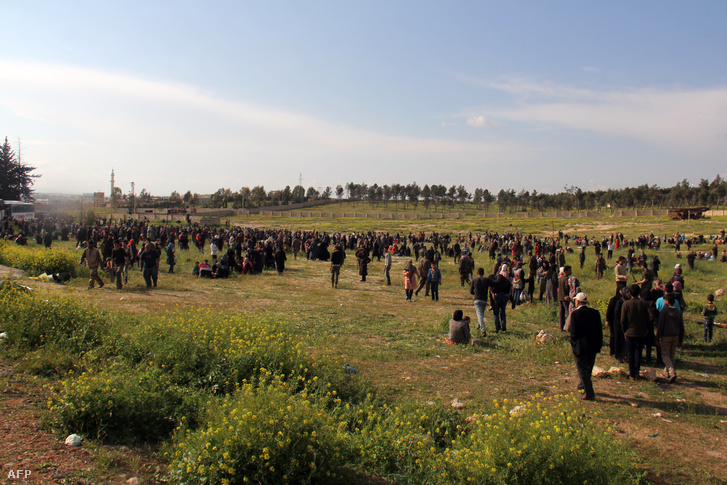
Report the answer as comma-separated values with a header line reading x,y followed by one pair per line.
x,y
500,291
586,339
637,321
479,288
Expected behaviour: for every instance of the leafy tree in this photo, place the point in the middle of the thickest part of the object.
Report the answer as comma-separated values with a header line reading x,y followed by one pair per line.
x,y
217,200
426,196
477,197
463,195
187,197
339,193
116,196
327,193
175,199
16,180
259,194
413,192
312,193
245,194
298,194
286,195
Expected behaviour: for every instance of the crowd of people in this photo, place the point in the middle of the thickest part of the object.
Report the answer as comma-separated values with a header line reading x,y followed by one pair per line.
x,y
640,317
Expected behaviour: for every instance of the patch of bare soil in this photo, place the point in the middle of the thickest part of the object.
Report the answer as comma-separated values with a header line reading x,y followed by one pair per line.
x,y
31,454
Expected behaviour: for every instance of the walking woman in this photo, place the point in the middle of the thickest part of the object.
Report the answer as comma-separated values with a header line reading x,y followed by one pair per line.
x,y
410,279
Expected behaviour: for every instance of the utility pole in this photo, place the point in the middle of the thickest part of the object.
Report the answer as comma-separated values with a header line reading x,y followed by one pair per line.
x,y
300,179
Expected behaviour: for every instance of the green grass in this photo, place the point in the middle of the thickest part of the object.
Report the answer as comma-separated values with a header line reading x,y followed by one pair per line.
x,y
398,348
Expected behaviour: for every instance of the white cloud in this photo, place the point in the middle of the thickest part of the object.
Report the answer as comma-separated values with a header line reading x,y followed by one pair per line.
x,y
480,122
685,119
88,122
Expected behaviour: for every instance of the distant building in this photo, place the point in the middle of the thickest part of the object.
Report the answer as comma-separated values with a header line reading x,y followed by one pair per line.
x,y
99,199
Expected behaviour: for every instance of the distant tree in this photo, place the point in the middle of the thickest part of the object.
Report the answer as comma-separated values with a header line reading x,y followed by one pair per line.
x,y
16,180
463,195
487,199
413,192
144,196
286,195
175,199
396,191
452,195
259,195
298,194
187,197
116,196
312,193
327,193
339,194
426,196
245,194
386,195
477,198
217,200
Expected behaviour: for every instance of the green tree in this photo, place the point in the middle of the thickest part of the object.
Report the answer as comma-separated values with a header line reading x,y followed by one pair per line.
x,y
175,199
339,194
16,180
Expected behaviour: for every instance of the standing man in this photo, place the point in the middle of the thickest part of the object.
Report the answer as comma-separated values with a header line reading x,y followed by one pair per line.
x,y
637,321
622,273
92,258
118,255
500,292
563,296
586,338
336,262
466,267
149,260
479,288
387,266
424,265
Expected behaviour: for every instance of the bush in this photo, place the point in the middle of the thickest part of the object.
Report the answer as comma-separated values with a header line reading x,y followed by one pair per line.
x,y
547,440
217,353
262,435
123,405
31,323
36,261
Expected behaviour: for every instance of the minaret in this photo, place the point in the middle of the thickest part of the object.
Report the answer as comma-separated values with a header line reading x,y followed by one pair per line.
x,y
112,183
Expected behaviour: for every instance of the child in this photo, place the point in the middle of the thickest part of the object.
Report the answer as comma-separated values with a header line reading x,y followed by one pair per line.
x,y
709,312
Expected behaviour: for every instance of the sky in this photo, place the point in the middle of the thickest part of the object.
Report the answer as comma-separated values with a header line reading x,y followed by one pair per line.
x,y
191,95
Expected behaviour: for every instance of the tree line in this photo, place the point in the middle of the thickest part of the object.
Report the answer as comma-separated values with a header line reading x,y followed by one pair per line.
x,y
440,197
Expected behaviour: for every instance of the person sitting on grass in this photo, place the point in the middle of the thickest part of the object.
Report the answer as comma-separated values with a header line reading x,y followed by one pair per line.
x,y
459,329
205,271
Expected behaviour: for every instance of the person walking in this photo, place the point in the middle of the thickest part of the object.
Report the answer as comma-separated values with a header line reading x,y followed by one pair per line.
x,y
500,291
479,289
434,277
670,335
637,321
92,257
586,339
410,279
564,298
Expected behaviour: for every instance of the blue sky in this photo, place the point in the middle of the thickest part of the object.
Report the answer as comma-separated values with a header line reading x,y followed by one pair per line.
x,y
190,95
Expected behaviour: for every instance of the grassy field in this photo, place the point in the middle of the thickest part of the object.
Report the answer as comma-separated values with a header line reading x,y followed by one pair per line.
x,y
677,430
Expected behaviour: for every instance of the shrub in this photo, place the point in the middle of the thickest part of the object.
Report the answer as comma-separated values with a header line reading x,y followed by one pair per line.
x,y
31,323
264,435
36,261
218,353
123,405
547,440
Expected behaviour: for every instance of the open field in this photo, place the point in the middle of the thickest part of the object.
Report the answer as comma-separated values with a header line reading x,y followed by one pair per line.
x,y
678,430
